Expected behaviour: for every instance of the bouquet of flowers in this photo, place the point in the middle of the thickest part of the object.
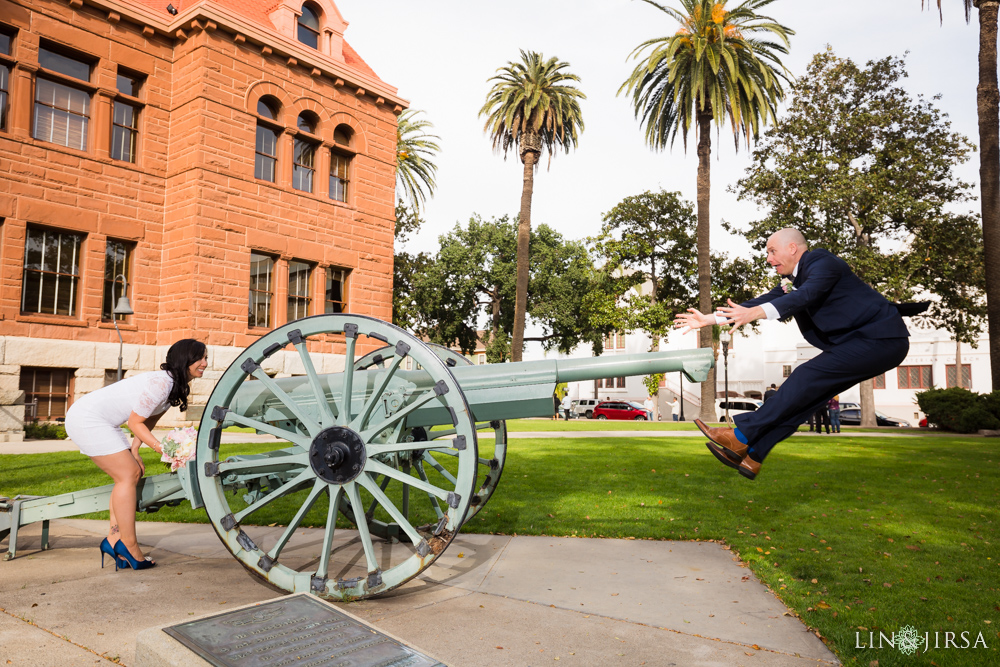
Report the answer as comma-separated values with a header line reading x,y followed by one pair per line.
x,y
787,286
179,446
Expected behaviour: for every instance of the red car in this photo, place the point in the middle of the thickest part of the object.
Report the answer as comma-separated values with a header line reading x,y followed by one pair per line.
x,y
621,410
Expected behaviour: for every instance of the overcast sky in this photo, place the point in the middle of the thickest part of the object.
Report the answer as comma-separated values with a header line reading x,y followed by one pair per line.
x,y
440,54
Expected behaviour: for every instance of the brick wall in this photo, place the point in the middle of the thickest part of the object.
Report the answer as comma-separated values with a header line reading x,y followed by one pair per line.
x,y
190,203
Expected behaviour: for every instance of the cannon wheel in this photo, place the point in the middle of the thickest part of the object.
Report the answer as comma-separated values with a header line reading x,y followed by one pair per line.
x,y
327,417
490,469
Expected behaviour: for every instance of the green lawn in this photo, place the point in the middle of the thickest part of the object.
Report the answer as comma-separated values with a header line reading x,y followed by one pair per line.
x,y
869,535
548,425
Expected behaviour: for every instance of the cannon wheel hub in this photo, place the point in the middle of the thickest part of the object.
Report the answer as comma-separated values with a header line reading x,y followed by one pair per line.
x,y
337,455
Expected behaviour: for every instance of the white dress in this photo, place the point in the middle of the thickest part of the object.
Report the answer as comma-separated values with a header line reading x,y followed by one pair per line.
x,y
94,421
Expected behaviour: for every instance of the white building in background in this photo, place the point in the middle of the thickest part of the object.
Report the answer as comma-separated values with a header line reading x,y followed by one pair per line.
x,y
769,355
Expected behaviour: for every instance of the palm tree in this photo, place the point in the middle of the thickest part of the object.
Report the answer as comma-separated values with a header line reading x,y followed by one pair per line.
x,y
414,149
719,65
531,107
987,100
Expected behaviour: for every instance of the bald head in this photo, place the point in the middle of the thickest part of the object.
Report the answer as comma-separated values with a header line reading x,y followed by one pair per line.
x,y
784,249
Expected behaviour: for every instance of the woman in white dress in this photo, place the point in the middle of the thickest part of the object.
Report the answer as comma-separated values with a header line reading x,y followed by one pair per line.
x,y
94,424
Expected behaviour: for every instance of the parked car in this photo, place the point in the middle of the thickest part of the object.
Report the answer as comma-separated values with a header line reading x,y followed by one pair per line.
x,y
737,406
584,407
621,410
852,417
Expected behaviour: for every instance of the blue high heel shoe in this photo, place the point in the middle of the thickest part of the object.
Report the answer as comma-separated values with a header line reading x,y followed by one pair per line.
x,y
106,548
129,559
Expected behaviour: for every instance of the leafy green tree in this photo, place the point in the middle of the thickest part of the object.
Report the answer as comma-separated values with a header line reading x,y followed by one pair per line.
x,y
947,260
406,312
531,107
858,166
988,107
472,277
649,239
415,149
720,65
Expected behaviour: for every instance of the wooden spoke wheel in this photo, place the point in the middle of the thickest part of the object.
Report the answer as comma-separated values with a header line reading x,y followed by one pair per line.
x,y
346,436
429,461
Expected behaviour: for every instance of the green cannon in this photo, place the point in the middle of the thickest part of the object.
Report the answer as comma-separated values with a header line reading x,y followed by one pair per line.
x,y
391,447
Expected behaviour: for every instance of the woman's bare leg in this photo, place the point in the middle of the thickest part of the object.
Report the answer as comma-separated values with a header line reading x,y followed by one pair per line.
x,y
125,472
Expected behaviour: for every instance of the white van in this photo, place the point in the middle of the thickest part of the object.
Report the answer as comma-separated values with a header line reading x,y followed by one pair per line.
x,y
584,407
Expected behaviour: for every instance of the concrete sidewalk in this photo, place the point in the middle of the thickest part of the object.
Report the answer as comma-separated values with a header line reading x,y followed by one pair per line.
x,y
489,600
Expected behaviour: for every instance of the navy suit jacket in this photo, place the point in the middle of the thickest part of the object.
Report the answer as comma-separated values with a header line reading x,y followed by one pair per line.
x,y
831,304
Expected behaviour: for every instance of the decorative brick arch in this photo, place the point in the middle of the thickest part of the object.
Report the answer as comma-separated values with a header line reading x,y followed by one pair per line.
x,y
310,104
359,141
271,89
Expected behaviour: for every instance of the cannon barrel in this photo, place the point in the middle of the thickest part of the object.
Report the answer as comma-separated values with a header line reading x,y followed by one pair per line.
x,y
493,391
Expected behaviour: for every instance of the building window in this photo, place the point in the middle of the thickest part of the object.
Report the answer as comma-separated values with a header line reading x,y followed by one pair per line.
x,y
309,26
117,263
46,392
786,370
51,272
480,359
878,381
966,375
305,165
261,290
5,44
125,121
620,344
266,150
299,296
266,153
621,382
62,113
914,377
336,291
339,176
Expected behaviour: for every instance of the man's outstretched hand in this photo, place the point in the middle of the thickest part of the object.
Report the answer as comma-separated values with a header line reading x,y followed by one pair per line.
x,y
738,315
693,319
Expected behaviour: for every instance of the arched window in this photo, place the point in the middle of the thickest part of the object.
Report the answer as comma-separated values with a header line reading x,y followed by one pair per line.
x,y
309,26
266,149
340,163
268,108
307,122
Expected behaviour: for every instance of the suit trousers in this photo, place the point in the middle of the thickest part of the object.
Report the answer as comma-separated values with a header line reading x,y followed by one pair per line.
x,y
813,384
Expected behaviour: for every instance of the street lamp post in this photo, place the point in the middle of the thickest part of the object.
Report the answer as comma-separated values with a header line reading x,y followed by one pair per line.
x,y
682,394
724,338
123,307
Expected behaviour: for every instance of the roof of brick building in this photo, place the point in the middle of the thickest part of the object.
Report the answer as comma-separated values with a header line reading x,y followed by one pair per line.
x,y
258,11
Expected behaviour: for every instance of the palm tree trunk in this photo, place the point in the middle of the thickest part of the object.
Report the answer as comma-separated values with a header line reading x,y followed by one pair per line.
x,y
704,266
988,98
868,418
529,155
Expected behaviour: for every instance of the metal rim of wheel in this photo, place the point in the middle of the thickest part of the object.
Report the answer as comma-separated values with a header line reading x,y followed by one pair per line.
x,y
335,448
490,469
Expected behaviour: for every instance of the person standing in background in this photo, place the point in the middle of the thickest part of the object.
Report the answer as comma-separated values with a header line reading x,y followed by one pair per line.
x,y
834,407
674,407
770,392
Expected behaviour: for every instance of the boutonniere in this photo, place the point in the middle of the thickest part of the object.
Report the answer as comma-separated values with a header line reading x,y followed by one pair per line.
x,y
787,286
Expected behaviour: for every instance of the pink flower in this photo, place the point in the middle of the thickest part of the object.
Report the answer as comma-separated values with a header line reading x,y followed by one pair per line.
x,y
787,286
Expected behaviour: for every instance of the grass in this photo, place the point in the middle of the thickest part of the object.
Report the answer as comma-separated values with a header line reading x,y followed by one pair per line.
x,y
869,535
542,425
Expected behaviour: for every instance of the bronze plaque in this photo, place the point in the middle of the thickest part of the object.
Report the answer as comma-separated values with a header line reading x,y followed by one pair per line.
x,y
299,630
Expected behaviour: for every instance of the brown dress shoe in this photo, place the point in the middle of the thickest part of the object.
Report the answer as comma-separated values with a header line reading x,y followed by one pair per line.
x,y
724,455
723,437
748,468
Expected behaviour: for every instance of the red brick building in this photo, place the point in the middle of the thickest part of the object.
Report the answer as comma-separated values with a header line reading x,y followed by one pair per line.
x,y
234,160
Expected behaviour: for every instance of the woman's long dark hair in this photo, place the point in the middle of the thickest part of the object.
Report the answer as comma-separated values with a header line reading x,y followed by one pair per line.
x,y
180,356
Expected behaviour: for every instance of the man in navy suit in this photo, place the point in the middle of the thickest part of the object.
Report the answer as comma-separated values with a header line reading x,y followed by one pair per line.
x,y
860,333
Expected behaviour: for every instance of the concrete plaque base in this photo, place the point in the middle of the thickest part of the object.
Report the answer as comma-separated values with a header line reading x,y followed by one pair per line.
x,y
297,630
